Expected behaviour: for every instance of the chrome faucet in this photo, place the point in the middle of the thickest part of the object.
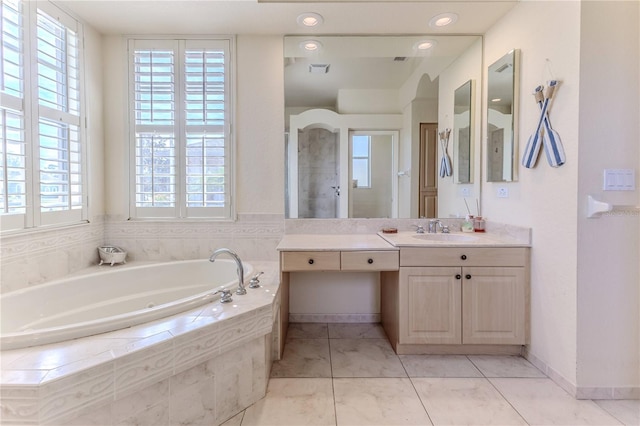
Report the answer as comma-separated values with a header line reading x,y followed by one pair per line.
x,y
241,290
434,224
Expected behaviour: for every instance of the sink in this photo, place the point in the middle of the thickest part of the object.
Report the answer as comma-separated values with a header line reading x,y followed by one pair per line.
x,y
445,237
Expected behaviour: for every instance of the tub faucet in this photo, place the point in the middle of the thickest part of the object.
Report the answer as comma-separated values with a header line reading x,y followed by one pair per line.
x,y
241,290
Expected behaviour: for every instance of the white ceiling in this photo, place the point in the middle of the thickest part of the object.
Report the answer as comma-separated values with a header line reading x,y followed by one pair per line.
x,y
275,17
252,17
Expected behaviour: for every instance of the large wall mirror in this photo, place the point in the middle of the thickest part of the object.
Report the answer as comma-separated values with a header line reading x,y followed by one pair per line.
x,y
502,118
353,109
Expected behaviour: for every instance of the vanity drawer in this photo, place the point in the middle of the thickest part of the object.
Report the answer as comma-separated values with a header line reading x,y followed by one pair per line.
x,y
387,260
310,261
463,256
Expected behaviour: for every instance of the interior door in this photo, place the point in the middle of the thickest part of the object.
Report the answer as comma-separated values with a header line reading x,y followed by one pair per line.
x,y
428,190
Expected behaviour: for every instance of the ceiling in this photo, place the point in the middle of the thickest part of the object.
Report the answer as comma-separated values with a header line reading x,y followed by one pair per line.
x,y
279,17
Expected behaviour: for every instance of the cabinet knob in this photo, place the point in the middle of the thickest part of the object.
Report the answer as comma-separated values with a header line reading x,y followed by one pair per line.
x,y
369,261
463,257
458,276
310,261
468,276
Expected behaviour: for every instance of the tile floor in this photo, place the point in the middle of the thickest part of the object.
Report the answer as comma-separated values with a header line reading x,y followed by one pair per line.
x,y
347,374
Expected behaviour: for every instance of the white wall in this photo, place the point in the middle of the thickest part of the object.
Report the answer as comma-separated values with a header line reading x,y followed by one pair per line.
x,y
544,199
608,247
584,281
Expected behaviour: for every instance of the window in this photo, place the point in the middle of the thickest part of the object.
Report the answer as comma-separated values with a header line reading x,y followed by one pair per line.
x,y
180,136
42,148
361,160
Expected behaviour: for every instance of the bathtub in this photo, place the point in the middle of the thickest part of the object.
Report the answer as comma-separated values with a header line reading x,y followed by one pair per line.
x,y
110,299
200,366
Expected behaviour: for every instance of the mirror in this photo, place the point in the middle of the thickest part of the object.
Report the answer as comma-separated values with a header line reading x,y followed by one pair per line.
x,y
502,118
462,133
370,85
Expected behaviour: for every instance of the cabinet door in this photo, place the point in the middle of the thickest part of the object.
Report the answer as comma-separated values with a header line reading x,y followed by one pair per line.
x,y
430,305
493,306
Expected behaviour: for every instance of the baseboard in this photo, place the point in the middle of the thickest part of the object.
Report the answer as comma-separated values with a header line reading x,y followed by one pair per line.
x,y
583,392
335,318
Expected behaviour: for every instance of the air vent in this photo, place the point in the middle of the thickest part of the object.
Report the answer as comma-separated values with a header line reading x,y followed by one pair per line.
x,y
319,68
504,67
399,59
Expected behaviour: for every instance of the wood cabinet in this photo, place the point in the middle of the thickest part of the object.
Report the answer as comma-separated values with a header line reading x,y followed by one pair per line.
x,y
463,296
358,260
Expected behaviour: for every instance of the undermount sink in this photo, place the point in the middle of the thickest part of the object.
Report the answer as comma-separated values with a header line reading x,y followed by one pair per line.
x,y
445,237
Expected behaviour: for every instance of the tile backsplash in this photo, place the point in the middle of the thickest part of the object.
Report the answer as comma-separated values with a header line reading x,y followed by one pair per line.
x,y
39,256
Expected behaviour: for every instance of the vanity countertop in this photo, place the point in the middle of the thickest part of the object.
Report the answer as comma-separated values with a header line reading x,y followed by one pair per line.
x,y
454,239
333,242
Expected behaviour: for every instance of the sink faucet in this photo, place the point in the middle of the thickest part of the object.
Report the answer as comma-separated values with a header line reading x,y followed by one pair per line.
x,y
434,224
241,290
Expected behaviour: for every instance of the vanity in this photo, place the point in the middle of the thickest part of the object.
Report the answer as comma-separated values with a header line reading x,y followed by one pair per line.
x,y
439,293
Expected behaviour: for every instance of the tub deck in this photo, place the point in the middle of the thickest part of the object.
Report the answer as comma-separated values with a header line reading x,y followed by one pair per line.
x,y
59,382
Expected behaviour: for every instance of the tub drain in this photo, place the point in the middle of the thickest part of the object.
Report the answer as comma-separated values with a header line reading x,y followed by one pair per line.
x,y
151,305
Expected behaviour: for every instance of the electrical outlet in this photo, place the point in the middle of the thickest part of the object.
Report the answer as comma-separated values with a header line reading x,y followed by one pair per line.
x,y
503,192
465,192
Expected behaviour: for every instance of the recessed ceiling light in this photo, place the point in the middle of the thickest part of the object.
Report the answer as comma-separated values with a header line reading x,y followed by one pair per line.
x,y
310,19
443,20
423,45
496,100
310,45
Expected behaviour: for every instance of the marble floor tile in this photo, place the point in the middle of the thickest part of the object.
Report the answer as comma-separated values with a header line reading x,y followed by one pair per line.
x,y
304,358
374,401
439,366
627,411
304,330
356,331
505,366
465,401
364,358
293,402
542,402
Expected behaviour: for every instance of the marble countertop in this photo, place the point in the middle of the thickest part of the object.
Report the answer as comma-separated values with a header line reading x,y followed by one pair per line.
x,y
454,239
381,241
333,242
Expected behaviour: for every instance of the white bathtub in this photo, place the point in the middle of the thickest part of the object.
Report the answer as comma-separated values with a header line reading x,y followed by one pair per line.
x,y
111,299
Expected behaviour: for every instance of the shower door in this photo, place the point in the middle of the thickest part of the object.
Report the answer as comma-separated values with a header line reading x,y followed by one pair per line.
x,y
318,174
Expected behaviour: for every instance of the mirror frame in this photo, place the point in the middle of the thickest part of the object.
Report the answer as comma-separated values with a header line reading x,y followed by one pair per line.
x,y
509,60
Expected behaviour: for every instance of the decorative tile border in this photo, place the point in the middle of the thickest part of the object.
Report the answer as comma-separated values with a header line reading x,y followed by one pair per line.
x,y
335,318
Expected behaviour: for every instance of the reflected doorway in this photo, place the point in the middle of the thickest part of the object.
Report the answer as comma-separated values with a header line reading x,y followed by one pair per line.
x,y
428,190
372,174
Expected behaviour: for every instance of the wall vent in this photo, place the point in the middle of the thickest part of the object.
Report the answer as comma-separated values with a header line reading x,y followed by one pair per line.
x,y
319,68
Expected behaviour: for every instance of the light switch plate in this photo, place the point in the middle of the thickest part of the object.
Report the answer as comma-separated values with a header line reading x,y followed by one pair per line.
x,y
619,180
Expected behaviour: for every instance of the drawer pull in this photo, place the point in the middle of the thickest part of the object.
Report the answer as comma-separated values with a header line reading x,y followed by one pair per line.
x,y
463,257
458,276
310,261
370,261
468,276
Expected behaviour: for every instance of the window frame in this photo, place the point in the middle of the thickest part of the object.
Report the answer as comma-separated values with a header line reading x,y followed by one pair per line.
x,y
179,46
33,112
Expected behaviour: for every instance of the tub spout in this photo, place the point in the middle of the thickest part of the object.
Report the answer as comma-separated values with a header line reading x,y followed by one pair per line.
x,y
241,290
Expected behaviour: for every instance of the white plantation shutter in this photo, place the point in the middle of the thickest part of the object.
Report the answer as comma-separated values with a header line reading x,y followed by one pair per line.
x,y
181,104
60,148
42,148
13,169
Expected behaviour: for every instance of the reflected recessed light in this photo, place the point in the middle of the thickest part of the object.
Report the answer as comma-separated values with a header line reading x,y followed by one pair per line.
x,y
424,45
443,20
310,19
310,45
496,100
